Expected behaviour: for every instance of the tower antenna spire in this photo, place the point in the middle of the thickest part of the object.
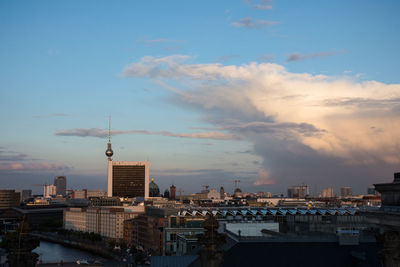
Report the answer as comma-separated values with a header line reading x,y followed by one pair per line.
x,y
109,129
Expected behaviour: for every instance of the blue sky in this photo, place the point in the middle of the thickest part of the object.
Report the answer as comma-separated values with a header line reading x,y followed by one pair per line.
x,y
208,91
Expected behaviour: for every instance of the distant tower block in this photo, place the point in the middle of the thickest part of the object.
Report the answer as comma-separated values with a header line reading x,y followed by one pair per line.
x,y
172,192
222,192
60,183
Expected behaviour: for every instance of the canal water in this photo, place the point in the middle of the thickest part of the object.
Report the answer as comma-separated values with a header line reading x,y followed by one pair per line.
x,y
53,252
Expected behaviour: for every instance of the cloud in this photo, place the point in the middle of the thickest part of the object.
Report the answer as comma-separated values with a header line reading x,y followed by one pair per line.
x,y
200,177
269,128
100,133
248,23
17,157
266,58
226,58
263,178
301,57
13,156
51,115
159,40
43,166
156,41
307,128
183,172
261,5
172,48
53,52
15,161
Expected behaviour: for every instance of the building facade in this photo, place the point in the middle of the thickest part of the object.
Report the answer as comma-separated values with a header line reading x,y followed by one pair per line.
x,y
108,222
172,192
128,179
327,192
146,232
75,219
26,193
299,191
9,198
346,192
49,190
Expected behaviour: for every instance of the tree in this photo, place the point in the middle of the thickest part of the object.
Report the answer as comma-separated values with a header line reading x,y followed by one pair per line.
x,y
211,255
19,246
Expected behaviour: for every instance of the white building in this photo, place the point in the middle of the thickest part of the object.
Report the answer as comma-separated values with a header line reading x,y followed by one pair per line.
x,y
49,190
213,194
95,193
75,219
106,221
327,192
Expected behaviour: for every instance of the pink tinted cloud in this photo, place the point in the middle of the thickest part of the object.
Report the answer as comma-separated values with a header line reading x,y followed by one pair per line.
x,y
263,178
44,166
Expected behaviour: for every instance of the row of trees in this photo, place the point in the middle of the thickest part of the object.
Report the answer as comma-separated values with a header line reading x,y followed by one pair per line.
x,y
91,236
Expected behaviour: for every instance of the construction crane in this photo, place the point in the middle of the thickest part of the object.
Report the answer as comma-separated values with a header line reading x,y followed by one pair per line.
x,y
235,182
180,191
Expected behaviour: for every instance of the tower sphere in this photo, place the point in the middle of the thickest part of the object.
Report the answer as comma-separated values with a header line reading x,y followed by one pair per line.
x,y
109,151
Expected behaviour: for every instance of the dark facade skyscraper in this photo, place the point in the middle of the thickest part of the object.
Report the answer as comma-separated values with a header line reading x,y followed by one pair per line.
x,y
128,179
60,183
9,198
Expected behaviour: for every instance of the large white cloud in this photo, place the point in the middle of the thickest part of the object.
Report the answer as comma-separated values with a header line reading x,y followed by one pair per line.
x,y
333,117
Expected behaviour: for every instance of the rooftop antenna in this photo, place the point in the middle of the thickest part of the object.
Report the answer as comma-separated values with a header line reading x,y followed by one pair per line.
x,y
109,129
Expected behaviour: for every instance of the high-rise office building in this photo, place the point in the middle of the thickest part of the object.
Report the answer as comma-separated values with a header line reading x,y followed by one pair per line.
x,y
26,193
9,198
346,192
299,191
126,178
327,192
60,182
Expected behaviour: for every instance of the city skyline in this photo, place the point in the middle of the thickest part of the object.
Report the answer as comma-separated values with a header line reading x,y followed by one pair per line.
x,y
273,93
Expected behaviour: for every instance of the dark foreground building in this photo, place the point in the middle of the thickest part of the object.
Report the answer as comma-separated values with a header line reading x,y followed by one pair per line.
x,y
248,253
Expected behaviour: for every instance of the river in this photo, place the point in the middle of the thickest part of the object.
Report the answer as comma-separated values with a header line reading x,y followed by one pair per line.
x,y
53,252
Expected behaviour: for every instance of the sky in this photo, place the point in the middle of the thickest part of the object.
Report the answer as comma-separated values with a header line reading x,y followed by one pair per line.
x,y
271,93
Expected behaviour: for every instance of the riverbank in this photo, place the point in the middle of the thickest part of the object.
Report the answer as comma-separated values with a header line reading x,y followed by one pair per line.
x,y
99,249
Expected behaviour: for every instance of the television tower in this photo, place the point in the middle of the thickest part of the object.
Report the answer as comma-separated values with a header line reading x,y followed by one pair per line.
x,y
109,151
109,154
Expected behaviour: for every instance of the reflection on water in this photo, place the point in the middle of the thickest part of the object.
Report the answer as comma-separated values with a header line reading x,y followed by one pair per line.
x,y
53,252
